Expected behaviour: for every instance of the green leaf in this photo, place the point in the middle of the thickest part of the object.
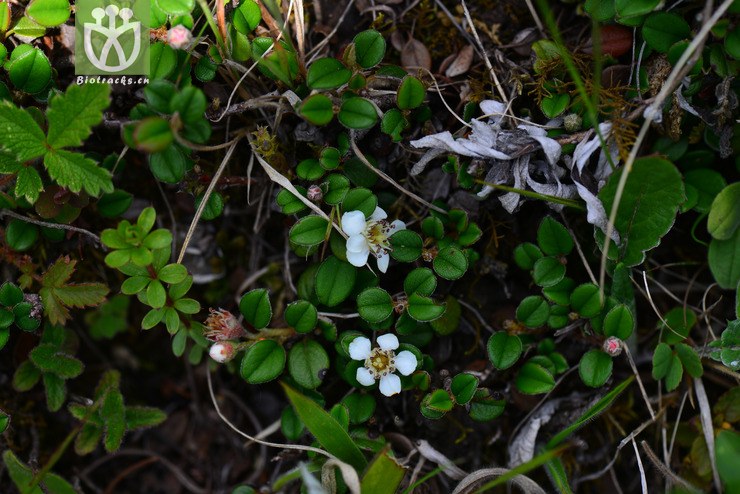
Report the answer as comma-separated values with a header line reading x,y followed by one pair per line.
x,y
438,400
369,48
152,135
421,281
10,294
327,73
49,359
143,417
724,215
172,273
548,271
595,368
450,263
76,172
256,308
338,186
410,94
633,8
190,104
176,7
330,434
308,363
680,321
463,387
406,245
690,360
383,475
21,235
393,123
162,60
301,315
374,305
667,365
585,300
113,413
727,451
484,407
19,132
619,322
662,30
87,439
26,376
554,105
553,238
598,408
263,361
334,281
708,183
360,406
653,192
22,475
56,391
114,204
423,309
357,113
600,10
247,17
526,254
533,311
317,109
724,261
309,231
29,69
169,165
73,114
360,199
534,379
504,349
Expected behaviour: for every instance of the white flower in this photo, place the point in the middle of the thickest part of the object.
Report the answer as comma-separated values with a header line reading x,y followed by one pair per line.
x,y
222,352
369,236
381,362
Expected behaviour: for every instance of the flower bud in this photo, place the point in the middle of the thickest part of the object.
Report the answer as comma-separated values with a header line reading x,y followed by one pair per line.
x,y
222,352
179,37
572,122
315,194
613,346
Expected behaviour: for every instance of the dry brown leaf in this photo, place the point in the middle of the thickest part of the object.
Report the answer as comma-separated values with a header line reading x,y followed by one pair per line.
x,y
415,55
461,63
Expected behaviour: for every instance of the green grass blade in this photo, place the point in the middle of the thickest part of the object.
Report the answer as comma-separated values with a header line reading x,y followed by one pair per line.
x,y
326,429
558,476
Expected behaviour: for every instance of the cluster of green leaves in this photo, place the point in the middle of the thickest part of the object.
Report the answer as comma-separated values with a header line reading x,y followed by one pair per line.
x,y
727,348
15,309
69,117
669,32
464,390
143,256
51,362
108,418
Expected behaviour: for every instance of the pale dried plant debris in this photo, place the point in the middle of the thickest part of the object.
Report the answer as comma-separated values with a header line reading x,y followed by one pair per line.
x,y
514,157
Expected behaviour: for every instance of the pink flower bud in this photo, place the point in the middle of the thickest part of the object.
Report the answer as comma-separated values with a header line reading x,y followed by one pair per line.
x,y
613,346
179,37
222,352
315,193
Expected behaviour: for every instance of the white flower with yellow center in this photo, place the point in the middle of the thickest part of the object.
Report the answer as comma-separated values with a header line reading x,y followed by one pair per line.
x,y
369,236
382,362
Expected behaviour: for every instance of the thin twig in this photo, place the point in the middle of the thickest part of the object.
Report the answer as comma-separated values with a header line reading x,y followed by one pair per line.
x,y
665,470
496,82
639,381
643,480
206,197
388,179
46,224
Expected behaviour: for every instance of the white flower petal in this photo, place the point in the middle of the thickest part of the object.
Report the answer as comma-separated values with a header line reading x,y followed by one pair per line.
x,y
358,259
387,341
356,243
397,225
353,222
383,260
390,384
405,362
359,349
378,214
364,377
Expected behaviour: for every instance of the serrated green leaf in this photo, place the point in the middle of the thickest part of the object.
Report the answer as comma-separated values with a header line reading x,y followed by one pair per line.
x,y
113,413
28,184
72,115
56,391
76,172
142,417
49,359
19,133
